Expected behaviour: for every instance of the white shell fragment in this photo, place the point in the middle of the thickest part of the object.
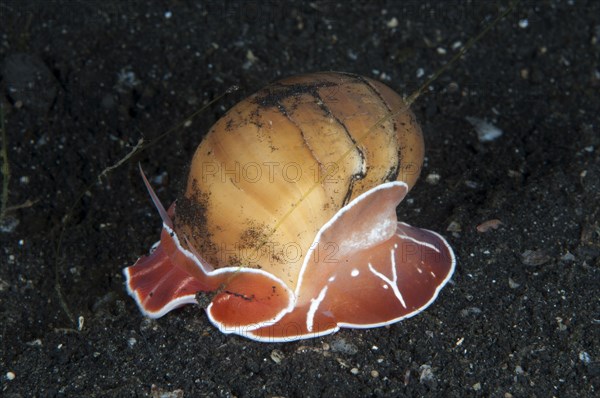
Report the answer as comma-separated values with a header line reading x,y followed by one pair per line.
x,y
485,131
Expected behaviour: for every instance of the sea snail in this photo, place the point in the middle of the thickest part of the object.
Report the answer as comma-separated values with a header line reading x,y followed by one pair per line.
x,y
287,228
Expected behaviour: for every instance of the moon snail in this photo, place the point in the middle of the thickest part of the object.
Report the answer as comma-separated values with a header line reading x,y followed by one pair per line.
x,y
287,228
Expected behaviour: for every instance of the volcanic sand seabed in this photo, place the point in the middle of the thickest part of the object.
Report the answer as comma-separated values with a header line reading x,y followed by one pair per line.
x,y
521,315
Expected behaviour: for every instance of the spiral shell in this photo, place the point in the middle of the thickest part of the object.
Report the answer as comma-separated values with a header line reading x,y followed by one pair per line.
x,y
281,163
287,228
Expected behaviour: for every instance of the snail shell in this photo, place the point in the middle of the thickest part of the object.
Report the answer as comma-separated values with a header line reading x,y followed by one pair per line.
x,y
273,170
287,227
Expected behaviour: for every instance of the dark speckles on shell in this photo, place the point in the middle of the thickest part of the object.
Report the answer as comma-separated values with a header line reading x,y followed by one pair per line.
x,y
191,218
275,93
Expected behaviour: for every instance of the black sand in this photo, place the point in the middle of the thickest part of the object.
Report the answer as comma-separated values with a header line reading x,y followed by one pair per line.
x,y
522,315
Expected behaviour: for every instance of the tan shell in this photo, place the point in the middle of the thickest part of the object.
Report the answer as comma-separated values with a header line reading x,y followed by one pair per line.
x,y
279,164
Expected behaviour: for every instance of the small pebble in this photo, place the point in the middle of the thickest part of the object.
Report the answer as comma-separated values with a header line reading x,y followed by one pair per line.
x,y
354,371
512,284
470,311
374,374
9,224
406,377
486,131
561,326
250,56
534,257
34,343
456,45
426,374
392,23
454,227
131,342
433,178
585,357
250,60
453,87
568,257
344,347
489,224
10,375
